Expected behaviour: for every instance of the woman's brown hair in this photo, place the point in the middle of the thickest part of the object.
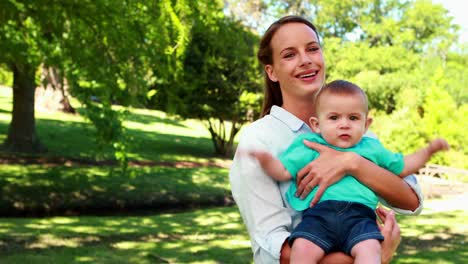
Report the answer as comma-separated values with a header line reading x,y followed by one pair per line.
x,y
272,92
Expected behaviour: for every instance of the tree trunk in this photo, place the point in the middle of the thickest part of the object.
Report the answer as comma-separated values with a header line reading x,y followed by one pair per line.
x,y
22,135
53,94
223,145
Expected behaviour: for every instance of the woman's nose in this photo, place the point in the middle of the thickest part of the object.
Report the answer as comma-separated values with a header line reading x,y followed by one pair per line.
x,y
305,59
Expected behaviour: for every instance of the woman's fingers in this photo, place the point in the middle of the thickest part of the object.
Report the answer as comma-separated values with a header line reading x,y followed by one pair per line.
x,y
382,215
307,188
315,146
302,173
325,170
391,231
321,189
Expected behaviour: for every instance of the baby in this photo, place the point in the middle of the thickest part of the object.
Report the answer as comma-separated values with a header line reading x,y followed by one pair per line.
x,y
344,218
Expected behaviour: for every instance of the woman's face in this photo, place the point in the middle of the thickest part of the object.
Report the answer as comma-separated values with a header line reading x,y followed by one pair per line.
x,y
298,63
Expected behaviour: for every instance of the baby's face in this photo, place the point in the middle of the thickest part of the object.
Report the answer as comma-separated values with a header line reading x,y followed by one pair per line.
x,y
341,119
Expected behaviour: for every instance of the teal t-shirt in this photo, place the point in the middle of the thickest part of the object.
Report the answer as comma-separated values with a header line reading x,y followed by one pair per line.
x,y
348,188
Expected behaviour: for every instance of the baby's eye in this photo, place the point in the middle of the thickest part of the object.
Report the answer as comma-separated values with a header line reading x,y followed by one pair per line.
x,y
333,117
354,118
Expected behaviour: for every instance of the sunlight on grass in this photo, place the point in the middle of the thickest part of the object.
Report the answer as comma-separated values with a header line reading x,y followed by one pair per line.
x,y
47,240
203,236
151,135
85,259
133,245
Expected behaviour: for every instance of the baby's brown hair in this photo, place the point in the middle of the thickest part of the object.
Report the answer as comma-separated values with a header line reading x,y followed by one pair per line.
x,y
341,87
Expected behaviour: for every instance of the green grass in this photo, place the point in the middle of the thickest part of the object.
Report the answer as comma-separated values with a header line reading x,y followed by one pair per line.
x,y
434,238
152,135
215,235
203,236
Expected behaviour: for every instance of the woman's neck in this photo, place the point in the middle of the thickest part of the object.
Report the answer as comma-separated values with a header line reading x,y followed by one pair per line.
x,y
303,109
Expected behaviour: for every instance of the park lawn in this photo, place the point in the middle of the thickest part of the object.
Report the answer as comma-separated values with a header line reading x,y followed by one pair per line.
x,y
152,135
43,190
68,186
214,235
438,237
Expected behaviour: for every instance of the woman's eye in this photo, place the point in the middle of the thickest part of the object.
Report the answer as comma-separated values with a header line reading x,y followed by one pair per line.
x,y
289,55
313,49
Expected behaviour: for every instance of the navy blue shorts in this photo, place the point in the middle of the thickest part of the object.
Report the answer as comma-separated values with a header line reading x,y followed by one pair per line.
x,y
337,225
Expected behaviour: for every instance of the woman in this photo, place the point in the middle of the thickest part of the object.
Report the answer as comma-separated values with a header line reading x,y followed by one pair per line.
x,y
295,70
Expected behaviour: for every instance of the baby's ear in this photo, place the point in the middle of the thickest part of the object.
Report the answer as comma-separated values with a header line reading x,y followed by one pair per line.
x,y
368,122
314,124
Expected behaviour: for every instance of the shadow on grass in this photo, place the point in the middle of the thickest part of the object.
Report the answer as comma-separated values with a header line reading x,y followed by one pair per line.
x,y
38,190
214,235
446,247
436,238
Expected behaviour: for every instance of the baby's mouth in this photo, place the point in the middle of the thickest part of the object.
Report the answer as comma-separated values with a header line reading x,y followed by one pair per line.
x,y
345,136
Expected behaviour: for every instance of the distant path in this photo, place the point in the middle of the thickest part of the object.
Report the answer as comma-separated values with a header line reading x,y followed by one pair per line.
x,y
61,161
447,203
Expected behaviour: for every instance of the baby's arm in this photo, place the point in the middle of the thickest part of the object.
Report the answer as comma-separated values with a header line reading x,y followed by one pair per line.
x,y
271,165
416,161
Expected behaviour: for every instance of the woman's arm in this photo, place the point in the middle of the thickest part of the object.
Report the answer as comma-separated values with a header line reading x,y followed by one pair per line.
x,y
386,184
332,165
259,200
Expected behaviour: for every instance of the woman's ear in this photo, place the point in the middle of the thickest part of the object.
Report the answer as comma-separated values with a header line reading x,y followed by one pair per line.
x,y
271,73
314,124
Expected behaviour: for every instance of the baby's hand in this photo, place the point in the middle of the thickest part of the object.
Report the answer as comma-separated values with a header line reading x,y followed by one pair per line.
x,y
439,144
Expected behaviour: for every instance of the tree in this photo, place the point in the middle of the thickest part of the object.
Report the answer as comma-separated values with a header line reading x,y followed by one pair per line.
x,y
112,50
221,80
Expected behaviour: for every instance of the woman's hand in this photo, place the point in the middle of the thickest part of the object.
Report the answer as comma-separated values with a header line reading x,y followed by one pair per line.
x,y
328,168
285,253
391,232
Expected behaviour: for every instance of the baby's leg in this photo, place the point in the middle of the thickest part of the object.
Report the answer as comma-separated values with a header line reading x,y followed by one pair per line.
x,y
304,251
367,251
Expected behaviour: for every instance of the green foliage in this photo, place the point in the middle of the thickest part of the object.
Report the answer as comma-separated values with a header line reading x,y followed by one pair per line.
x,y
220,79
456,77
443,118
220,66
425,24
108,50
6,77
109,130
422,116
